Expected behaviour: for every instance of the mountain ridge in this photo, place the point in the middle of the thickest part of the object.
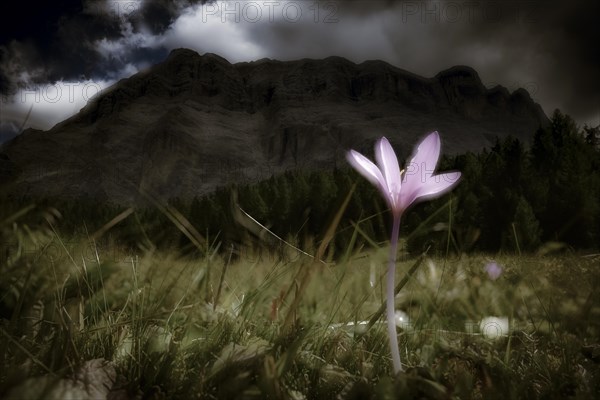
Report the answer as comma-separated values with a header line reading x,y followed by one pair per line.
x,y
195,122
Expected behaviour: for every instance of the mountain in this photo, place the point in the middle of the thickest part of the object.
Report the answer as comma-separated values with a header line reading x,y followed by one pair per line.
x,y
195,122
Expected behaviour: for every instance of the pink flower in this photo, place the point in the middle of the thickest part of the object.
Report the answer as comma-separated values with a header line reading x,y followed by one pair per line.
x,y
493,270
403,188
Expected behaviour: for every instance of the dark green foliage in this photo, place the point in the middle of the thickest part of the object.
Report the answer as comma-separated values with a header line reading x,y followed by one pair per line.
x,y
550,192
567,193
507,194
156,320
524,232
592,136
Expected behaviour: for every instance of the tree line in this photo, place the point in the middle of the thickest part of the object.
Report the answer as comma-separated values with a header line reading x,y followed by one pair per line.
x,y
512,197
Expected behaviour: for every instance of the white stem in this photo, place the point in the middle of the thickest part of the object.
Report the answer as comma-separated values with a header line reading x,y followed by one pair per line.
x,y
391,309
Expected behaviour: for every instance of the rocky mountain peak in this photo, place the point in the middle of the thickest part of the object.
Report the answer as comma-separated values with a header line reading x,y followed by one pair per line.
x,y
195,122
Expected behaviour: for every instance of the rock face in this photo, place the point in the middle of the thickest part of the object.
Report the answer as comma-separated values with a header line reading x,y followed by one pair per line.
x,y
194,122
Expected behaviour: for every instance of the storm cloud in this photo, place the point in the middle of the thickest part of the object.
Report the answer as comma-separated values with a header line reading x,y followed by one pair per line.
x,y
547,47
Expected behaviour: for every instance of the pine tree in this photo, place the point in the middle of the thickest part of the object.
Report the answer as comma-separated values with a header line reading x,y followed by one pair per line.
x,y
252,202
281,207
524,232
300,194
323,192
592,136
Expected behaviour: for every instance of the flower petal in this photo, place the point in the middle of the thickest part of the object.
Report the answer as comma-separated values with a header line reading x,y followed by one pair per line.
x,y
388,164
422,164
366,168
434,186
494,270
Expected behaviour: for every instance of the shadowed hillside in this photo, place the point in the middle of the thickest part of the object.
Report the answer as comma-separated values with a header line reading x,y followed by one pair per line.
x,y
193,122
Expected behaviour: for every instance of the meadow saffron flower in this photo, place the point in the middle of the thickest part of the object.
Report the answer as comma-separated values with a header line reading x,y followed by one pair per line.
x,y
401,189
494,270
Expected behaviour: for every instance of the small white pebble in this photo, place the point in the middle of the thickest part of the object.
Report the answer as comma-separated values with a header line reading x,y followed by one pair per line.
x,y
402,319
494,327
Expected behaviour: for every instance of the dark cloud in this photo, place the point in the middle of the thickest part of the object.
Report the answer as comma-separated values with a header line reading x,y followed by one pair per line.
x,y
158,15
547,46
110,68
58,40
59,45
35,21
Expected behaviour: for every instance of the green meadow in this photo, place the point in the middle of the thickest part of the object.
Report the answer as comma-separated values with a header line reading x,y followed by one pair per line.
x,y
276,289
82,319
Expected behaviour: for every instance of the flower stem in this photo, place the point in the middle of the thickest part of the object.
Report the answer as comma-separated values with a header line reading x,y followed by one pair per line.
x,y
391,309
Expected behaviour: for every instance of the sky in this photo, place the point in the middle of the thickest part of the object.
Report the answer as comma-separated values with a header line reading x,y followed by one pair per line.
x,y
56,55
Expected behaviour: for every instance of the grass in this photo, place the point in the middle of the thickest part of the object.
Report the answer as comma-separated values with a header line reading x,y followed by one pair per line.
x,y
85,319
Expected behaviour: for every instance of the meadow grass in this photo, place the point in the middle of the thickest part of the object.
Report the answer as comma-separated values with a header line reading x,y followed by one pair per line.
x,y
86,319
